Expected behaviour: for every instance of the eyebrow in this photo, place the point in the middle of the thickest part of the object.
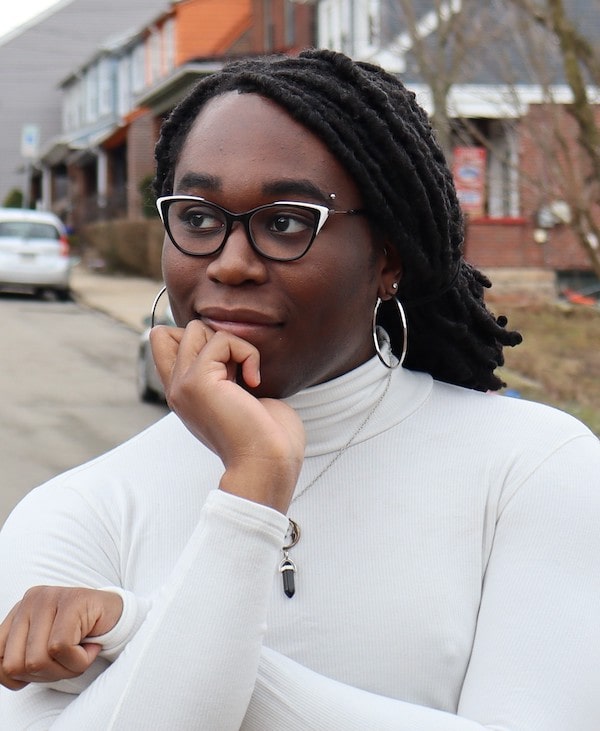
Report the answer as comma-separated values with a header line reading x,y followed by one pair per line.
x,y
192,181
295,187
286,187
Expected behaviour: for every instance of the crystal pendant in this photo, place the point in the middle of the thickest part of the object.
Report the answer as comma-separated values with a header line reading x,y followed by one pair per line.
x,y
287,568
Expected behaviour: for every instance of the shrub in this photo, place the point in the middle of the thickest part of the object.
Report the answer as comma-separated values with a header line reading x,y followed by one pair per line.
x,y
130,247
14,199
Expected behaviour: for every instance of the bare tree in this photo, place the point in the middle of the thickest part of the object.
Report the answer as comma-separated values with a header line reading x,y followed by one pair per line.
x,y
576,166
441,41
515,40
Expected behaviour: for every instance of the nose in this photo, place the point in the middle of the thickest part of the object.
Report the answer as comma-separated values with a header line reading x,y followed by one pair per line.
x,y
237,262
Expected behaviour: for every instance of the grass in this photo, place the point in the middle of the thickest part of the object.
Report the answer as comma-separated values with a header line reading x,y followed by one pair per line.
x,y
558,362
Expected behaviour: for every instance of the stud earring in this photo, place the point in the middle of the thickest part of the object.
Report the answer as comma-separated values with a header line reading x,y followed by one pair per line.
x,y
332,196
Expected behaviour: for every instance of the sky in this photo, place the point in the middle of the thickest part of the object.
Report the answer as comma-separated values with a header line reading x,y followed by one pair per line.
x,y
16,12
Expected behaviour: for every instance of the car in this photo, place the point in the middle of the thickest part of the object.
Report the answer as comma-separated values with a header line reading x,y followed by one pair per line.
x,y
34,252
149,385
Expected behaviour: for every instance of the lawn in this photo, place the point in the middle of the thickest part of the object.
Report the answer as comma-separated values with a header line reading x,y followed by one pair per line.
x,y
558,362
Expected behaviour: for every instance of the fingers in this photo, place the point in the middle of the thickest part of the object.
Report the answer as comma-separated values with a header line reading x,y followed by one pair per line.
x,y
222,355
40,639
11,660
176,352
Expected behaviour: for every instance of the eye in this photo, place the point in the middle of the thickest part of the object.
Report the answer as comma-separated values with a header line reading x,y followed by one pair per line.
x,y
200,219
289,222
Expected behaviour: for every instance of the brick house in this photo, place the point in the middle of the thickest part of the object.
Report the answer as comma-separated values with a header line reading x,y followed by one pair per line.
x,y
505,137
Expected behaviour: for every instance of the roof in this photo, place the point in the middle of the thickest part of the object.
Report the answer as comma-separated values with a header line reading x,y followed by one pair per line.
x,y
500,45
37,56
26,214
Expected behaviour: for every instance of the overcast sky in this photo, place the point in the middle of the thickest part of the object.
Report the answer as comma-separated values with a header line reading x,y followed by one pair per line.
x,y
16,12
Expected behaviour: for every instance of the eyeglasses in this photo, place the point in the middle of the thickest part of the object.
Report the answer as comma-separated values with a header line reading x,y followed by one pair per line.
x,y
281,231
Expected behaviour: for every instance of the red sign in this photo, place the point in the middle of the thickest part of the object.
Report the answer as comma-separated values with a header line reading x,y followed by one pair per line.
x,y
469,177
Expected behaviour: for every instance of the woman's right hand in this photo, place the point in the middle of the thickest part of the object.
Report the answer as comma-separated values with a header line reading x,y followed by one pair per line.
x,y
42,637
259,440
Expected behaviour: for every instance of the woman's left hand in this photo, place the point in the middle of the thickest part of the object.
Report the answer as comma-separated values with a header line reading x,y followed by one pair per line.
x,y
41,637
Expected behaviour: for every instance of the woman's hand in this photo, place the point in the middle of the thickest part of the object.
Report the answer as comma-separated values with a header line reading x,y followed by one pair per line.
x,y
40,639
260,441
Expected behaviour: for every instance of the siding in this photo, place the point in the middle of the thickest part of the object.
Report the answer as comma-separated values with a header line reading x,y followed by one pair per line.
x,y
37,57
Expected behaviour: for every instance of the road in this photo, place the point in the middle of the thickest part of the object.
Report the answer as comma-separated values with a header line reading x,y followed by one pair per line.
x,y
67,391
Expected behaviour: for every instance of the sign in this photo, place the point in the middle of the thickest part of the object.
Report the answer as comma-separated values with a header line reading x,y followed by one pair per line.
x,y
469,178
30,141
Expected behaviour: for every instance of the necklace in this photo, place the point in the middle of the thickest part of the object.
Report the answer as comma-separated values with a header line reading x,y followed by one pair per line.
x,y
287,567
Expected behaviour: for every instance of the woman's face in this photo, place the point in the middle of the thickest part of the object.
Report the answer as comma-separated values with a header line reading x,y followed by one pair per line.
x,y
311,318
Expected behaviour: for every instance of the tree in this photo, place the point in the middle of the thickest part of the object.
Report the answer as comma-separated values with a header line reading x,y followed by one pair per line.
x,y
516,39
441,42
14,199
579,168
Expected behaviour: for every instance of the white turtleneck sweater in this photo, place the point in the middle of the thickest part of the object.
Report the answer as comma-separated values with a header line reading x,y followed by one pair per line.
x,y
448,573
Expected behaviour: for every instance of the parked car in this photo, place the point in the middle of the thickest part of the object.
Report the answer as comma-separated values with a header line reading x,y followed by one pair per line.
x,y
34,252
149,386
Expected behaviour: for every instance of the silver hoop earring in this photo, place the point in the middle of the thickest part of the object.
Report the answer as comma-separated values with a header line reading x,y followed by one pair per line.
x,y
155,305
402,315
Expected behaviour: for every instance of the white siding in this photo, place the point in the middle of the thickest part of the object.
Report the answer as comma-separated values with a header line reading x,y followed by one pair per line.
x,y
124,70
106,87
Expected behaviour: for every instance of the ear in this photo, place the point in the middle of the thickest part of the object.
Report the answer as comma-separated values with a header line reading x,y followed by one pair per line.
x,y
390,272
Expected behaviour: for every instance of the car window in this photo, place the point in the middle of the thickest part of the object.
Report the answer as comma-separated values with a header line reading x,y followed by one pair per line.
x,y
28,230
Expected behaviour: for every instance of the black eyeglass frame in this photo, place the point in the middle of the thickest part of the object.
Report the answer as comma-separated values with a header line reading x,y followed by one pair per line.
x,y
164,202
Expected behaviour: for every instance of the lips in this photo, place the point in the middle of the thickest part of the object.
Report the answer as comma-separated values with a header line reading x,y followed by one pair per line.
x,y
245,323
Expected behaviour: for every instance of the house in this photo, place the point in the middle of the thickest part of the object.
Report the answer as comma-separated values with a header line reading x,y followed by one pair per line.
x,y
100,165
503,85
35,57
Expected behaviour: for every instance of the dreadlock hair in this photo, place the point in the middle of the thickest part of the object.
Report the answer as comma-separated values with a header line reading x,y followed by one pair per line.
x,y
372,124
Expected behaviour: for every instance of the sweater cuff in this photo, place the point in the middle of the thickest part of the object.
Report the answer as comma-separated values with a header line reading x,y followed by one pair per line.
x,y
238,509
134,613
135,609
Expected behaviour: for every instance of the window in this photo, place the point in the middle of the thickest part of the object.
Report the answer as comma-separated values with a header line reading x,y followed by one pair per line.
x,y
169,44
124,86
154,47
105,87
494,142
268,28
290,23
91,94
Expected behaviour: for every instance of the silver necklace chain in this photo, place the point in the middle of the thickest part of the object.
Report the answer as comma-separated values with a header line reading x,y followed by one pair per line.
x,y
287,567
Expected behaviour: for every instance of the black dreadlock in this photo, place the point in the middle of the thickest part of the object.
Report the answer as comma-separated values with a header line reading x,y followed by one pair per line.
x,y
375,128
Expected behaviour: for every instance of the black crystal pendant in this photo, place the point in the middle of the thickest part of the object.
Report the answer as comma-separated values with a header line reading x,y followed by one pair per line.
x,y
287,569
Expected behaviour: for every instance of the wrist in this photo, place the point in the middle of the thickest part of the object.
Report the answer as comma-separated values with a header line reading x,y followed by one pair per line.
x,y
267,486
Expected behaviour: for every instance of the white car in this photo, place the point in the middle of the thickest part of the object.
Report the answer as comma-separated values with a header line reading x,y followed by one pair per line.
x,y
149,385
34,252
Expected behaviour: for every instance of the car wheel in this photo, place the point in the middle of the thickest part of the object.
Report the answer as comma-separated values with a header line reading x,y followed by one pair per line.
x,y
145,392
63,295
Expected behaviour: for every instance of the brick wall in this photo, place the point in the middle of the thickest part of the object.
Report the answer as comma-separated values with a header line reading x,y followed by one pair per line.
x,y
141,139
551,168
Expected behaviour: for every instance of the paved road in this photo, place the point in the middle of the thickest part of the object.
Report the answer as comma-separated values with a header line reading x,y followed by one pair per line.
x,y
67,390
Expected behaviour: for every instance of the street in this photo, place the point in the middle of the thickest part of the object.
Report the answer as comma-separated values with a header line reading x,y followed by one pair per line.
x,y
67,391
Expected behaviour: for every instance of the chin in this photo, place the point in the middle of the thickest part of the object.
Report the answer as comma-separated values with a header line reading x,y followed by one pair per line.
x,y
272,386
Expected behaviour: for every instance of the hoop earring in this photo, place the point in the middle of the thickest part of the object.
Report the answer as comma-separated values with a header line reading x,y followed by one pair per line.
x,y
402,315
155,305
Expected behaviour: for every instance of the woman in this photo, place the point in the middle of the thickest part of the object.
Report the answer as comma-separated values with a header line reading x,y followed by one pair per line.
x,y
440,565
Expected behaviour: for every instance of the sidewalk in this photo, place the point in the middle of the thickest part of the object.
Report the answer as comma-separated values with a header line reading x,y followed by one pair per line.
x,y
125,298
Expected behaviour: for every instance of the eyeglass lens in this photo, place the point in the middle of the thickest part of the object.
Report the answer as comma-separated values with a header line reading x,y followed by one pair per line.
x,y
282,231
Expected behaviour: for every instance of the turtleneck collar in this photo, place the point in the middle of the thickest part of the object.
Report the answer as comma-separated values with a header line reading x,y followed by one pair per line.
x,y
333,411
